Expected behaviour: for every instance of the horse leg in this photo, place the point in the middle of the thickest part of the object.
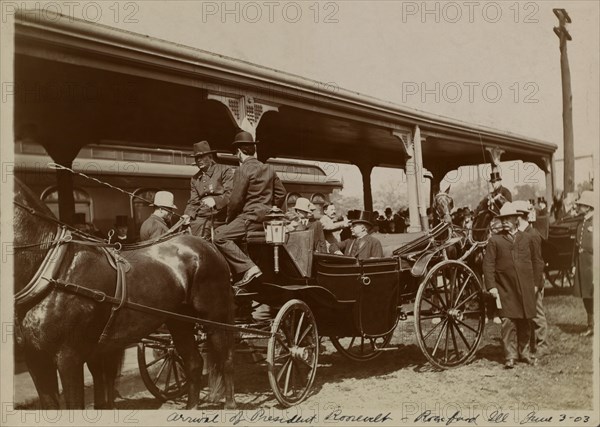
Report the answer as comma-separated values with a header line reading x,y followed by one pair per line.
x,y
70,368
185,343
104,367
220,370
97,370
43,372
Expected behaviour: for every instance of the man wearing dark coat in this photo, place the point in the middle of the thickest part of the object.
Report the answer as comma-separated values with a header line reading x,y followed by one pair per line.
x,y
584,262
210,191
362,245
256,189
157,224
512,269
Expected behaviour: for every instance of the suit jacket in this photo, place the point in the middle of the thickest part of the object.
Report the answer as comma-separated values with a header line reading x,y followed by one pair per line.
x,y
584,261
514,267
363,248
217,183
256,189
153,227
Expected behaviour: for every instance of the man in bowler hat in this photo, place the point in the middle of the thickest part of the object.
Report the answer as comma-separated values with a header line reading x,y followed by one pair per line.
x,y
256,189
513,270
362,245
584,262
210,191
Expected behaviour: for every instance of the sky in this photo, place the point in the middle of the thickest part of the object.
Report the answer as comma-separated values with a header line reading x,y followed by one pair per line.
x,y
492,63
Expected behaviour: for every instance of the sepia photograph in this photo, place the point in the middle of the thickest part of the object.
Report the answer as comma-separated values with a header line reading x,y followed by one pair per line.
x,y
300,212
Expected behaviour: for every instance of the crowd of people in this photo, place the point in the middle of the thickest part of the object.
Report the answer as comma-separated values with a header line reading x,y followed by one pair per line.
x,y
224,206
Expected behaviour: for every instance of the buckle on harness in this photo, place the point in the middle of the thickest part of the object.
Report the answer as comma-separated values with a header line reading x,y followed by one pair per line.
x,y
99,296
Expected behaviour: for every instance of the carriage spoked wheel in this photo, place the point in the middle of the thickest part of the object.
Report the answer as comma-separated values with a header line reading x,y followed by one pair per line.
x,y
161,368
560,278
449,314
361,349
292,353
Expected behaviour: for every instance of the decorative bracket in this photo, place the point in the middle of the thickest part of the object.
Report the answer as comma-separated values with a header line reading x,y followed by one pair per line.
x,y
495,154
245,110
406,139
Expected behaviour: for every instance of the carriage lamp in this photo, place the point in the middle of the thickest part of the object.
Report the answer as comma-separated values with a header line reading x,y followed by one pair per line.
x,y
275,233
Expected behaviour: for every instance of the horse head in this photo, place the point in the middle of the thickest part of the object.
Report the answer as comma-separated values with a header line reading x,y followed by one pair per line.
x,y
484,216
443,205
29,229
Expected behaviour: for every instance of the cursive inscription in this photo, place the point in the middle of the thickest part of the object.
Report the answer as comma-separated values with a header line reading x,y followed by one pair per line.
x,y
337,415
534,418
262,417
203,419
428,417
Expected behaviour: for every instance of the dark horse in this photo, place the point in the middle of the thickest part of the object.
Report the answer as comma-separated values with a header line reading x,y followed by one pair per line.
x,y
61,330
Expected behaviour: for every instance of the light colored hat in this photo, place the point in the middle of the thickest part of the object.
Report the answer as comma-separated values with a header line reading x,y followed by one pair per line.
x,y
164,199
586,198
508,209
303,204
523,206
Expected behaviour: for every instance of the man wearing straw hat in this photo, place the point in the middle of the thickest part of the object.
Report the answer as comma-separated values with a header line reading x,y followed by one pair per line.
x,y
512,270
210,191
157,224
256,189
584,263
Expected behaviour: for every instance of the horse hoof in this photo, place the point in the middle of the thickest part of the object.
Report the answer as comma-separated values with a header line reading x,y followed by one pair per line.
x,y
230,405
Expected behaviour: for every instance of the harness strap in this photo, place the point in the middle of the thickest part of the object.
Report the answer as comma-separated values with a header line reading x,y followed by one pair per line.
x,y
101,297
122,266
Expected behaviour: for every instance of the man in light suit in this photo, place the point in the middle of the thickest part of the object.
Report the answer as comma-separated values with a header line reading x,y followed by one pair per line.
x,y
157,224
584,263
512,269
362,245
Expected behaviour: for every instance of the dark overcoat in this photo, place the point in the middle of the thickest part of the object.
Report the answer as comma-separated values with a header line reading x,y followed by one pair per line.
x,y
256,189
216,182
584,262
515,267
363,248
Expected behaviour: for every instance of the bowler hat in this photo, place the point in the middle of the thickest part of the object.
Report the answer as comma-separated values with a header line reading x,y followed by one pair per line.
x,y
303,204
586,198
121,221
523,206
164,199
79,218
243,138
508,209
357,216
201,148
495,176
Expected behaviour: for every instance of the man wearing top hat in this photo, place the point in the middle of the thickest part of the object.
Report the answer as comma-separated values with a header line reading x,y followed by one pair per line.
x,y
513,271
121,230
210,191
584,263
256,189
499,193
157,224
362,245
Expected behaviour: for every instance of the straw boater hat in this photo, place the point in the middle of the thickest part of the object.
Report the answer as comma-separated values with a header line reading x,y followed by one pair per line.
x,y
243,138
164,199
201,148
508,209
586,198
303,204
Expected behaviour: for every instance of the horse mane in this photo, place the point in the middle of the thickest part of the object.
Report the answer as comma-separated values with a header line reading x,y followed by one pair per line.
x,y
24,195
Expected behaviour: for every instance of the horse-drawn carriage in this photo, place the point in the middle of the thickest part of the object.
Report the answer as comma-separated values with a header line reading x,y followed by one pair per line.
x,y
355,303
559,251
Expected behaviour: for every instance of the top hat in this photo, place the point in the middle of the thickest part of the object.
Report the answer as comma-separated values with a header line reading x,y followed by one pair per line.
x,y
357,217
121,221
164,199
586,198
243,138
79,218
495,176
303,204
201,148
507,210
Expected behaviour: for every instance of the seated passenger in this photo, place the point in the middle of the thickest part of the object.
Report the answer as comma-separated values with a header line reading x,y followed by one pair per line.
x,y
362,245
157,224
301,218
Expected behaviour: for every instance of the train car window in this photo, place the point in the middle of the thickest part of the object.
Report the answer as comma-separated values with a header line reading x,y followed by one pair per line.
x,y
142,210
290,200
83,201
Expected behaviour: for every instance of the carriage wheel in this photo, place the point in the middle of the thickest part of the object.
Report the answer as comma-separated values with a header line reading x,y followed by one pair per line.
x,y
560,278
361,349
293,353
161,368
449,314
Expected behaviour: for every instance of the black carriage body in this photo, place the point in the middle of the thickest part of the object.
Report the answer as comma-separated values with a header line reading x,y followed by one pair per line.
x,y
559,250
349,297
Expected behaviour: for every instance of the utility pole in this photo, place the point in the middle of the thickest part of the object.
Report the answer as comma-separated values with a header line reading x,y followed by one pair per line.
x,y
564,36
